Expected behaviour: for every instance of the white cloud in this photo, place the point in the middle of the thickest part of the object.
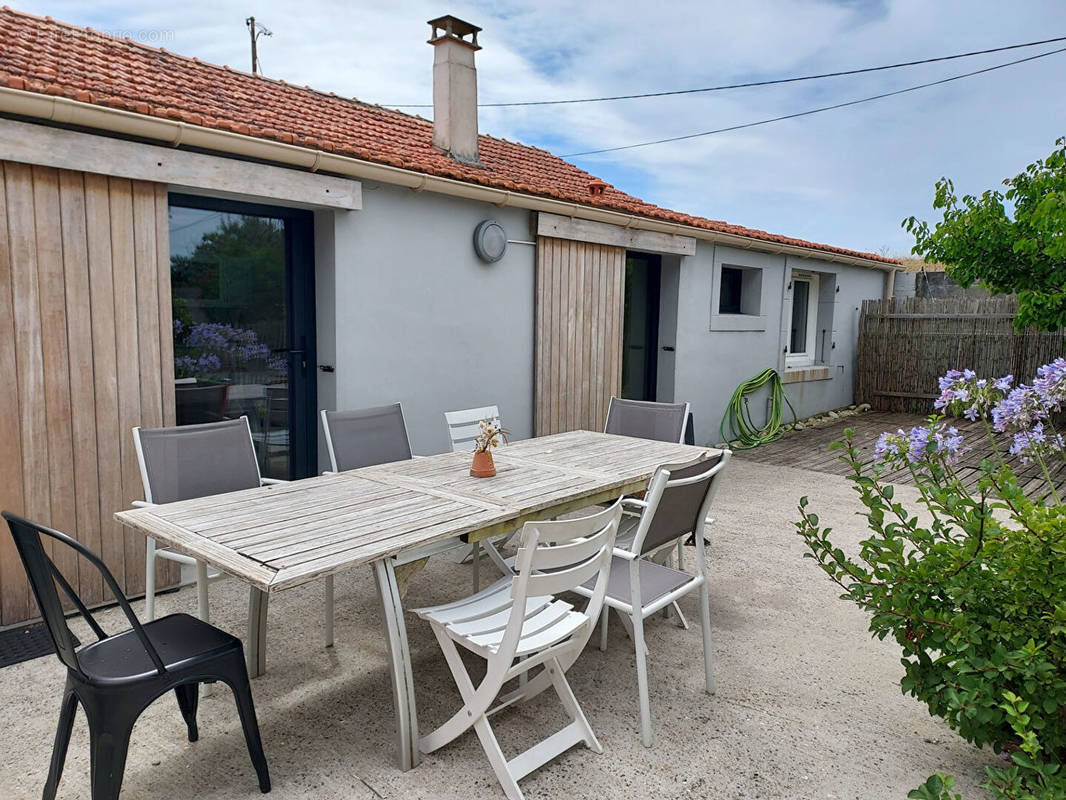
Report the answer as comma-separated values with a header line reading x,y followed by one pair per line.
x,y
844,177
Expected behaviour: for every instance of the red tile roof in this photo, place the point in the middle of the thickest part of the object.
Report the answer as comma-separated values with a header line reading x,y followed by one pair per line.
x,y
49,57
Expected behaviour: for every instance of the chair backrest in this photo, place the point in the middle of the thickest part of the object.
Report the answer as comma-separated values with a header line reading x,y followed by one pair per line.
x,y
277,408
463,426
556,556
196,460
44,577
196,404
679,499
663,422
366,437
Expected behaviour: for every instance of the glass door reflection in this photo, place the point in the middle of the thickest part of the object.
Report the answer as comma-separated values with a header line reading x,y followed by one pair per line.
x,y
231,279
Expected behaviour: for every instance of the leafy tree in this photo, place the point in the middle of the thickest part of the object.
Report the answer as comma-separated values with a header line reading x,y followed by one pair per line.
x,y
238,272
1011,241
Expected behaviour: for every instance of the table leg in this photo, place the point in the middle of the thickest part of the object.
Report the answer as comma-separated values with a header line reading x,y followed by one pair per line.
x,y
257,624
403,695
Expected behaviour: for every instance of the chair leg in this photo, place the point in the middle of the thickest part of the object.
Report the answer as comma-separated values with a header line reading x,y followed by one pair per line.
x,y
497,759
681,621
642,678
566,697
149,579
329,610
604,616
476,561
203,610
109,740
708,645
188,695
67,711
242,694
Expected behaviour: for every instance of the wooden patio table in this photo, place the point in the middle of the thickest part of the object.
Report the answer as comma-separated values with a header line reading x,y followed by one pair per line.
x,y
276,537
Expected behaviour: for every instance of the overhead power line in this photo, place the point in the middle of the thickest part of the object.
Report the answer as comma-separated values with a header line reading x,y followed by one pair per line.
x,y
817,110
750,84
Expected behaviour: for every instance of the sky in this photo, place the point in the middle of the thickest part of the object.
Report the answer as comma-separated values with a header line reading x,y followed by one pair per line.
x,y
846,177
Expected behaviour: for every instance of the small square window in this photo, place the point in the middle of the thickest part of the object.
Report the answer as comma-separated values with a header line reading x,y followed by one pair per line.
x,y
740,290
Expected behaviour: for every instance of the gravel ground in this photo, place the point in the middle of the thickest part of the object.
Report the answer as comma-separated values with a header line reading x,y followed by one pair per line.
x,y
808,706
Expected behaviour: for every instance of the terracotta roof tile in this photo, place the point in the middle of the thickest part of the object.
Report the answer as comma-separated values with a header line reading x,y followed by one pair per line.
x,y
41,55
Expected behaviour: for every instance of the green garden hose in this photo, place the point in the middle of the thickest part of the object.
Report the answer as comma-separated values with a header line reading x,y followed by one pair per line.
x,y
743,434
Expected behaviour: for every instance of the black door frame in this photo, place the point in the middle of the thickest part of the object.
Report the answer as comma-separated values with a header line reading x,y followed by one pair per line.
x,y
653,263
300,305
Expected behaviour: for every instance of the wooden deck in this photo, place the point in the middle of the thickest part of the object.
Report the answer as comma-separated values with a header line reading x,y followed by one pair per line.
x,y
809,449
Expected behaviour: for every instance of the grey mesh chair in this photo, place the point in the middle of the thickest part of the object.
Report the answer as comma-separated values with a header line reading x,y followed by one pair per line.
x,y
190,461
365,437
677,502
663,422
642,419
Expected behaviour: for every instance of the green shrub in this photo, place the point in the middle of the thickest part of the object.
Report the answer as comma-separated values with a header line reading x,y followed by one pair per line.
x,y
974,594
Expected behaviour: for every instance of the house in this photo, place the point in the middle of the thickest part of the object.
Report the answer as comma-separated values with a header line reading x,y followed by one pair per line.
x,y
168,221
930,281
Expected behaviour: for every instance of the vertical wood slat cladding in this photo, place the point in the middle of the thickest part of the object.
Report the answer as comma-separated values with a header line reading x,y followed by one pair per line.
x,y
85,354
578,320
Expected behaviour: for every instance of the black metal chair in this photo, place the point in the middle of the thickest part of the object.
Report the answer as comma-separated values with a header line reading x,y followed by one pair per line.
x,y
117,677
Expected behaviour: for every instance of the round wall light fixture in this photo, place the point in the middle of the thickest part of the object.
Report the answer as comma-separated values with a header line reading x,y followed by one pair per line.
x,y
490,241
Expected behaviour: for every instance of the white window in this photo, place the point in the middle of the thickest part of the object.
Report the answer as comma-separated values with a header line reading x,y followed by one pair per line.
x,y
804,328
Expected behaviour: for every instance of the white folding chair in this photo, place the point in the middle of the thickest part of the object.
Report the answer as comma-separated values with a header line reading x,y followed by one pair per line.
x,y
463,429
676,504
463,426
518,625
189,461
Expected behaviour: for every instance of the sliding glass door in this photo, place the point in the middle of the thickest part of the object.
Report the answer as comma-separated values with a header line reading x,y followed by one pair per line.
x,y
242,287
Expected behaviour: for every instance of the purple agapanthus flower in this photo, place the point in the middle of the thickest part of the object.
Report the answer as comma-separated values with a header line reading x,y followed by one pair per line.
x,y
963,393
1035,442
917,440
888,445
934,442
215,343
1020,410
1050,384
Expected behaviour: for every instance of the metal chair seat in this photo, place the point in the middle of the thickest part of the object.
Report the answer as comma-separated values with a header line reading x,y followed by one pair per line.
x,y
180,639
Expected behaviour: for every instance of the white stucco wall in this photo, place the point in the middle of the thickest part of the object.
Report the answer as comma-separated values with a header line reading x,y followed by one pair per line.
x,y
417,318
715,354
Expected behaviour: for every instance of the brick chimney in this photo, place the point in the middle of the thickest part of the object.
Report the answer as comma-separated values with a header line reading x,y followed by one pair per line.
x,y
455,88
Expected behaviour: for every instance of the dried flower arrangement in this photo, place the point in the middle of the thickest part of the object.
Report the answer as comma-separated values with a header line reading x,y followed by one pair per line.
x,y
491,435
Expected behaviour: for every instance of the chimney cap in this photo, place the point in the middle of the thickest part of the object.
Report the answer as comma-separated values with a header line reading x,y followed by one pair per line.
x,y
449,27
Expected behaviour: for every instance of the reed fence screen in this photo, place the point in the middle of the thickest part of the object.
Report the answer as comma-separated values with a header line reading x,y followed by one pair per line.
x,y
906,345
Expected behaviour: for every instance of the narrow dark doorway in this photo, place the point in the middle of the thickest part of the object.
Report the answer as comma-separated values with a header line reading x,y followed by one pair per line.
x,y
640,333
243,296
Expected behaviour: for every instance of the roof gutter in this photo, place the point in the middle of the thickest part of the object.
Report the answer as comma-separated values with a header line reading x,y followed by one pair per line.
x,y
63,111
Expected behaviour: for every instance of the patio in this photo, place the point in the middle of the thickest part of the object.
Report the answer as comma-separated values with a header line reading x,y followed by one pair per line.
x,y
807,705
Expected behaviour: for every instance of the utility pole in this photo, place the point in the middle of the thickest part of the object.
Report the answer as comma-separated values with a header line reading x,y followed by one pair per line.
x,y
255,31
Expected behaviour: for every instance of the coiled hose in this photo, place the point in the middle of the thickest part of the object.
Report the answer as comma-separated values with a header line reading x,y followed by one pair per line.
x,y
743,434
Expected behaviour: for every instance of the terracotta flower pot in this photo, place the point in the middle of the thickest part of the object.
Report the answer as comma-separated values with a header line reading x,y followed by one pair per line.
x,y
483,466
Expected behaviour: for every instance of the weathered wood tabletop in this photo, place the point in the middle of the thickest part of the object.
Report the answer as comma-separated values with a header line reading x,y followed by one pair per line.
x,y
276,537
